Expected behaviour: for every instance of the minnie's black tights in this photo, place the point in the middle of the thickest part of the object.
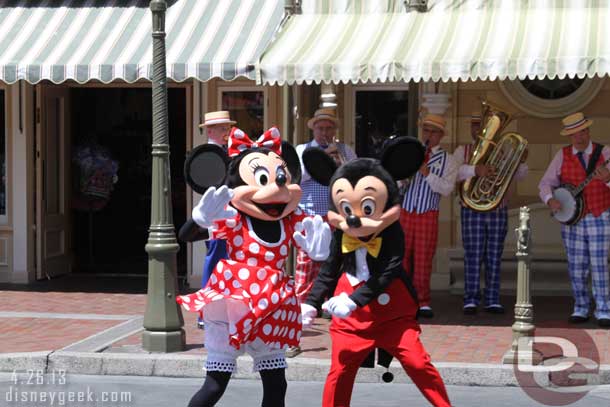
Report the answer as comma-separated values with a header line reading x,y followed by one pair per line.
x,y
215,384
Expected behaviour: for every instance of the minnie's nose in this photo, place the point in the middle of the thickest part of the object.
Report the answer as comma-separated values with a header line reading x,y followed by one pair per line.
x,y
280,178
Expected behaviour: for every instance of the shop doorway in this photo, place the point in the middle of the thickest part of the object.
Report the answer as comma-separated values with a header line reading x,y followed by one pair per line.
x,y
111,177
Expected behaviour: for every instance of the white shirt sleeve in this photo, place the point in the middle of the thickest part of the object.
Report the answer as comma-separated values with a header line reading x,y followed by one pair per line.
x,y
349,153
444,185
521,172
465,171
551,178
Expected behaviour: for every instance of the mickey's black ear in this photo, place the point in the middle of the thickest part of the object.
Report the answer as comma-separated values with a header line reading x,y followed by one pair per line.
x,y
205,166
319,165
291,157
402,157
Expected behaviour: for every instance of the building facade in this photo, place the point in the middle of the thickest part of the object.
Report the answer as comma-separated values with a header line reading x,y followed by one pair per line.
x,y
59,99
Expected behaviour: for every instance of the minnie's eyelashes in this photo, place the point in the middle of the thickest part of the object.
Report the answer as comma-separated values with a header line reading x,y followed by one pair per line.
x,y
255,166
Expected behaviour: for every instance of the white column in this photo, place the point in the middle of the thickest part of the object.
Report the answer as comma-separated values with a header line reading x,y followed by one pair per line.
x,y
20,184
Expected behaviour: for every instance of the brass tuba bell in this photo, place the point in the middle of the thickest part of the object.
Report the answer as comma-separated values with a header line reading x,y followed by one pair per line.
x,y
501,151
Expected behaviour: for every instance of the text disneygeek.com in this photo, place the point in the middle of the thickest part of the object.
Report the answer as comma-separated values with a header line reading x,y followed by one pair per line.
x,y
67,398
35,387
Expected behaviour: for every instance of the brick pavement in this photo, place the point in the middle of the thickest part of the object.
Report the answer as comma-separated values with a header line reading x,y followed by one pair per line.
x,y
449,337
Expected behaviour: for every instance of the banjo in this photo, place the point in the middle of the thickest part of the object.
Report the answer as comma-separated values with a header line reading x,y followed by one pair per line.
x,y
572,202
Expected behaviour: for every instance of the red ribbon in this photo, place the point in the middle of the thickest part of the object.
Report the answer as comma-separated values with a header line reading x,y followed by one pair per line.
x,y
239,141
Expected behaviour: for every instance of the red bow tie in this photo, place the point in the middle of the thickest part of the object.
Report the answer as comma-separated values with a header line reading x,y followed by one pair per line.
x,y
239,141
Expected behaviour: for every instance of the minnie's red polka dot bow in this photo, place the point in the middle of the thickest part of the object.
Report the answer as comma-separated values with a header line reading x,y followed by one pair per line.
x,y
239,141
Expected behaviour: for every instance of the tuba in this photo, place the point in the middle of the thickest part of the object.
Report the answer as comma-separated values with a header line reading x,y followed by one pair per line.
x,y
501,151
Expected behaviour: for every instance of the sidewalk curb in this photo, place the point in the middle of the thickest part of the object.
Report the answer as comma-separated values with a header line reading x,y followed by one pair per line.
x,y
299,369
21,361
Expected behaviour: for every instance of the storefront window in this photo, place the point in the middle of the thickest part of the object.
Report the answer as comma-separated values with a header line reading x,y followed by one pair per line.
x,y
552,89
551,98
2,153
379,115
247,109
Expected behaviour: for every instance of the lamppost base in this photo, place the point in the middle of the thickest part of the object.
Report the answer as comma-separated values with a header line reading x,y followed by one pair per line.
x,y
162,341
522,357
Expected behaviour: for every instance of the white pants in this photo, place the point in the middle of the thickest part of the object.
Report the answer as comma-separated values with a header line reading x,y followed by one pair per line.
x,y
221,355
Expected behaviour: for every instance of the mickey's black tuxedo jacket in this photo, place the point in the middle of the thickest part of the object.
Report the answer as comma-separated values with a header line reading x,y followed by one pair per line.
x,y
383,270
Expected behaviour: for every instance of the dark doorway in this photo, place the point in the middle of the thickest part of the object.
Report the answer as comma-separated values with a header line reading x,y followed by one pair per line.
x,y
379,115
111,183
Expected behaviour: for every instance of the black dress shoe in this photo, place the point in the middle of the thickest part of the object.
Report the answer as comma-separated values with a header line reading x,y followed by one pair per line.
x,y
425,313
470,310
578,319
495,309
603,322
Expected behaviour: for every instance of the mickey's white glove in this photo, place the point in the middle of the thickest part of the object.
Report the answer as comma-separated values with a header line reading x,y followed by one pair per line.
x,y
316,241
340,306
212,206
308,313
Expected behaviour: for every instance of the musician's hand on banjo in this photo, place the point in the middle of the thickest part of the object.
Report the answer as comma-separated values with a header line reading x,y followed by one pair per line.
x,y
602,173
554,205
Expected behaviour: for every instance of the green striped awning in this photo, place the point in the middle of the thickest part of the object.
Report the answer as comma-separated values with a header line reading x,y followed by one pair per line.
x,y
378,40
106,40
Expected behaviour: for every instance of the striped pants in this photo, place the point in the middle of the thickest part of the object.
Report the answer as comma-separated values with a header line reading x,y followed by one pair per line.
x,y
421,237
483,235
305,272
587,245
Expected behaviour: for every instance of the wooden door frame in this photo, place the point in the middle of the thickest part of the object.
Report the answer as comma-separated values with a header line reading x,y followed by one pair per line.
x,y
42,90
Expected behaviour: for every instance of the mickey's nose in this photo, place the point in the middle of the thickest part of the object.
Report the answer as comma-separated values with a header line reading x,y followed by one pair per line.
x,y
353,221
280,178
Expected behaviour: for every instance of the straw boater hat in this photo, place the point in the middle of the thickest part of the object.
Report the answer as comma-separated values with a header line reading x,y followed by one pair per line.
x,y
220,117
435,120
323,114
574,123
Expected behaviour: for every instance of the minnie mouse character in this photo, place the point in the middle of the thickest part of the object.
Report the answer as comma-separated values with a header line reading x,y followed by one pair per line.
x,y
249,302
374,304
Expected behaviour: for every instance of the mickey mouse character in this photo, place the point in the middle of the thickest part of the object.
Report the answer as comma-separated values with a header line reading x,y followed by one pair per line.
x,y
249,302
374,304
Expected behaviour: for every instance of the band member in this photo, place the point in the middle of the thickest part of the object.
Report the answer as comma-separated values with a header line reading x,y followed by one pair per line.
x,y
419,216
483,233
586,242
374,303
323,125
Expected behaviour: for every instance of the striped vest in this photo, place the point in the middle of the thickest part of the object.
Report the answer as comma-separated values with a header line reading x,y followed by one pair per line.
x,y
315,198
419,197
596,194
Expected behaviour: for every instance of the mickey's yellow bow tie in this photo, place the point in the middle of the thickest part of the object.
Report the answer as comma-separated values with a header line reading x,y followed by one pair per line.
x,y
349,244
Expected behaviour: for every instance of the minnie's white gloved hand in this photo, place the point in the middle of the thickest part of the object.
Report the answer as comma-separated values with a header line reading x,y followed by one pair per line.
x,y
316,241
213,206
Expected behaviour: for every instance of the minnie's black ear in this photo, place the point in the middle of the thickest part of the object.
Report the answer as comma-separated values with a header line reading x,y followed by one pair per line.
x,y
402,157
289,154
319,165
205,166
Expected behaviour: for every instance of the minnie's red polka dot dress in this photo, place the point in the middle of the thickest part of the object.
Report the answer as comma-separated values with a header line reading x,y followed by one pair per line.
x,y
254,274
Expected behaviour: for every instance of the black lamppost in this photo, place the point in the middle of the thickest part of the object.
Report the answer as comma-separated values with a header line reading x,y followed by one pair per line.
x,y
163,320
